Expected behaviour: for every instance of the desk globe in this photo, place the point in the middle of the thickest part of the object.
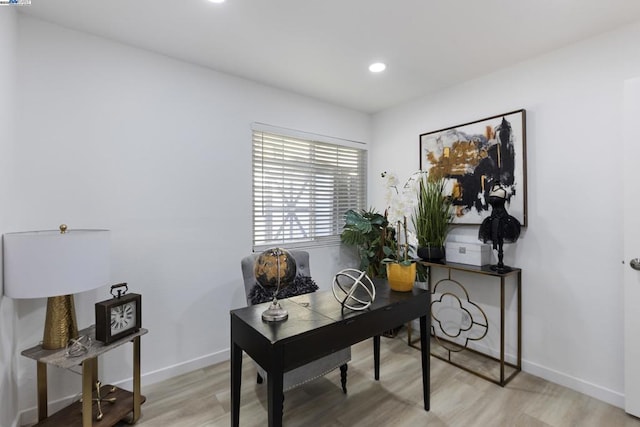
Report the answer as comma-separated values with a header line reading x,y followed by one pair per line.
x,y
275,267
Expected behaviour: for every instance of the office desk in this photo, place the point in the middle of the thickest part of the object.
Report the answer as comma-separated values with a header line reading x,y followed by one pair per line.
x,y
318,326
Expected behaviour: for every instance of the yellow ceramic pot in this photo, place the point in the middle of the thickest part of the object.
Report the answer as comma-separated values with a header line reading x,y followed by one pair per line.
x,y
401,277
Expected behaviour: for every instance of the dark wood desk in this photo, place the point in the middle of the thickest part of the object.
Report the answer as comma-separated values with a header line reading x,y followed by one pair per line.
x,y
318,326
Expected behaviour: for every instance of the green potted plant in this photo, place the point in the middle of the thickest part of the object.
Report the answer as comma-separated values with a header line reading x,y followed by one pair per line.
x,y
374,238
431,217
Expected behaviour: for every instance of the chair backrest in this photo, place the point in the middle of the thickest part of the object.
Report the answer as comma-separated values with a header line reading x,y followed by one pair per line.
x,y
248,262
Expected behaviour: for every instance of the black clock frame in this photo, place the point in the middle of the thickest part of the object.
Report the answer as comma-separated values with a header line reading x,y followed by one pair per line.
x,y
103,317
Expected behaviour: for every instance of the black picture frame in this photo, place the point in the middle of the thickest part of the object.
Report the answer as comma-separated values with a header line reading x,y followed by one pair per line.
x,y
473,156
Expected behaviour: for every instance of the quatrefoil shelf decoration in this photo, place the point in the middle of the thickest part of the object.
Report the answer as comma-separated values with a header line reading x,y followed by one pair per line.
x,y
474,324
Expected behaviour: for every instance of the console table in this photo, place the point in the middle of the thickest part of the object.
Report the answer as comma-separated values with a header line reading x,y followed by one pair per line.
x,y
81,413
318,326
486,271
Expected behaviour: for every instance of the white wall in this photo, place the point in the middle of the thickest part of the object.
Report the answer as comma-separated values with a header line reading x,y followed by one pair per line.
x,y
158,151
571,252
8,384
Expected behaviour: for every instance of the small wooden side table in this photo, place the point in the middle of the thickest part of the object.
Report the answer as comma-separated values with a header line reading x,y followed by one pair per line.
x,y
81,413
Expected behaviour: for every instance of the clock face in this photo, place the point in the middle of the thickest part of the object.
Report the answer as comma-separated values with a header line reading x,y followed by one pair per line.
x,y
123,317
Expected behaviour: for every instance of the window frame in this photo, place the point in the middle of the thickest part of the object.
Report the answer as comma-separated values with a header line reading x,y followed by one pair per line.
x,y
353,193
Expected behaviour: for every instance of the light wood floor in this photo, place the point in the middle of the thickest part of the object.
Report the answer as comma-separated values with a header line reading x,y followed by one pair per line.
x,y
201,398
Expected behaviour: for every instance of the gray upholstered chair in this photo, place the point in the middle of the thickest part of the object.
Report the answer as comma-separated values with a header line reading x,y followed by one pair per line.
x,y
314,369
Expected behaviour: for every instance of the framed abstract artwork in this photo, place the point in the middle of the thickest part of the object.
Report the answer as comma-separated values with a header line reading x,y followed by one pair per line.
x,y
475,156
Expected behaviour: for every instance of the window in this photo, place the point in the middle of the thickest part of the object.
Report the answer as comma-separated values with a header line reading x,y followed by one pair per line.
x,y
302,186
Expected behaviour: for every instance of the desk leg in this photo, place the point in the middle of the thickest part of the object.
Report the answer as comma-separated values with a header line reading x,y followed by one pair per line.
x,y
42,391
425,350
88,369
376,357
236,379
137,398
274,386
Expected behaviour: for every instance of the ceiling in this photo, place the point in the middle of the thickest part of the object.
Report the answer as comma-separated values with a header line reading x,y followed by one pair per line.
x,y
322,48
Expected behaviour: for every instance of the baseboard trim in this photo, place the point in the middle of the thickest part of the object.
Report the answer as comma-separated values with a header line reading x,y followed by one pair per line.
x,y
596,391
590,389
185,367
165,373
30,416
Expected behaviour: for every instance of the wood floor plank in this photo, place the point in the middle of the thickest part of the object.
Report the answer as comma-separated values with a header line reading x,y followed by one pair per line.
x,y
202,398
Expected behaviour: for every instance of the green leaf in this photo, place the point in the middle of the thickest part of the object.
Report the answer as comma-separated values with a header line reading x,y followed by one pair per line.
x,y
370,232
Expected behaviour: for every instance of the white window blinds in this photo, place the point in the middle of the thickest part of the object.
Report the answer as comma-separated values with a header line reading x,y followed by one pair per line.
x,y
302,188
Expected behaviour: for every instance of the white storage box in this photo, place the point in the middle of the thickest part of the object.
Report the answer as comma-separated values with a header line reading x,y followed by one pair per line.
x,y
468,253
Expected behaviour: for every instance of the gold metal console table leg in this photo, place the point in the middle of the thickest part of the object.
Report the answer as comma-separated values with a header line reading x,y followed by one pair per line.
x,y
89,368
502,330
137,397
42,390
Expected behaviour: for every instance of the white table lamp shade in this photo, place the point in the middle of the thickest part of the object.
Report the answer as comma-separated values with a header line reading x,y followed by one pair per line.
x,y
40,264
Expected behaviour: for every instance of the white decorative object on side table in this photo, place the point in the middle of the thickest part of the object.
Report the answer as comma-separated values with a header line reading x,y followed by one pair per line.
x,y
468,253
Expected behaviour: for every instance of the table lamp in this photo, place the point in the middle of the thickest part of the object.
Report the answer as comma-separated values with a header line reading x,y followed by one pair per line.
x,y
56,264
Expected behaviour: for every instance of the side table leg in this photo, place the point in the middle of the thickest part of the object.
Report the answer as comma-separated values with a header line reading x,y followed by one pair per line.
x,y
137,398
87,391
94,372
502,383
519,290
42,390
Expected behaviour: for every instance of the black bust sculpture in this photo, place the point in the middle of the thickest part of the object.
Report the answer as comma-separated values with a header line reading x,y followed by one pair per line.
x,y
499,227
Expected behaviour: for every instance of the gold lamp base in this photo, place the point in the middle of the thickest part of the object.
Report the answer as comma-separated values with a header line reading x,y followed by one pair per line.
x,y
60,324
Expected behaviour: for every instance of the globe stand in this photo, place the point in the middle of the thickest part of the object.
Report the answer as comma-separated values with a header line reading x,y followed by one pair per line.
x,y
275,312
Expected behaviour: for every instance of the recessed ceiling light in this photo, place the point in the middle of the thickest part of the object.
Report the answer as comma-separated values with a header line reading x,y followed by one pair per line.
x,y
216,1
377,67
